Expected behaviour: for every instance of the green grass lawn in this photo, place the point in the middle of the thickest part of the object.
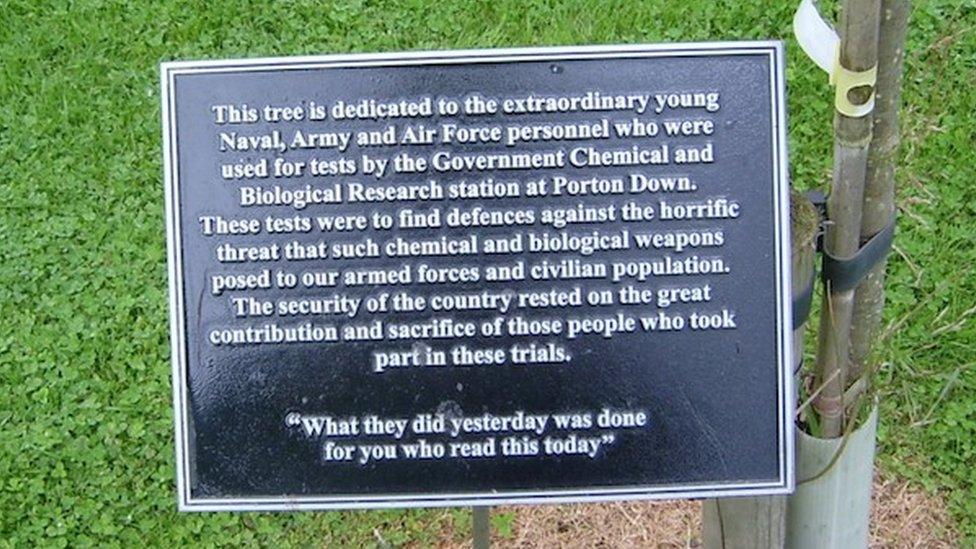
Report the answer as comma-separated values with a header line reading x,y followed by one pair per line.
x,y
86,450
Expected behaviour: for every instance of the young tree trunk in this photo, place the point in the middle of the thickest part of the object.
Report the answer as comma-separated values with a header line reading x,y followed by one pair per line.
x,y
852,136
879,190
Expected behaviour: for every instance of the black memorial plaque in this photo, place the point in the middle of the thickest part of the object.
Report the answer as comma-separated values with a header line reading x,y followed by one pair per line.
x,y
478,277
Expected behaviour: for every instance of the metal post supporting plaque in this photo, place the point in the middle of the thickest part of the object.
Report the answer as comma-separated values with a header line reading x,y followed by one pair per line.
x,y
481,527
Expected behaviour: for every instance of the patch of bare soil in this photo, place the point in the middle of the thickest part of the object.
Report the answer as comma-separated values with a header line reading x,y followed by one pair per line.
x,y
902,515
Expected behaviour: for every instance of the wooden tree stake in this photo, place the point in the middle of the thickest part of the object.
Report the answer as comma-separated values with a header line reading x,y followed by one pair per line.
x,y
761,521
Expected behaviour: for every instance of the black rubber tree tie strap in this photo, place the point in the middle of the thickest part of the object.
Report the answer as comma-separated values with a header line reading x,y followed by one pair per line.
x,y
819,201
845,274
803,302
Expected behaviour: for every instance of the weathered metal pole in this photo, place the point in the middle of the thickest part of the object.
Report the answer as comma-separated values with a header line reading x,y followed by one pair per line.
x,y
852,136
879,189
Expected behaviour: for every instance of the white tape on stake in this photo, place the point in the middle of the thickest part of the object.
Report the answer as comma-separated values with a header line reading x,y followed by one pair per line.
x,y
822,45
818,39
